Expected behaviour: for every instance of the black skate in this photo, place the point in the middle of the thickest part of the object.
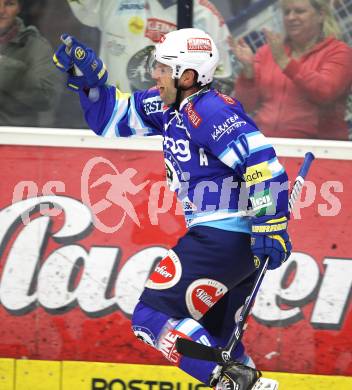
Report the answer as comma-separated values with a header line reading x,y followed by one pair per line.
x,y
236,376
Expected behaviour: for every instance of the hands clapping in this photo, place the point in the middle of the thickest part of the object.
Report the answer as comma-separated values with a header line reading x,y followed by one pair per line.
x,y
276,43
245,55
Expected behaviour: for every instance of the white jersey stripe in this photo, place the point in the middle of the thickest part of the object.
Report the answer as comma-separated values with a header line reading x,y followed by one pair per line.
x,y
188,326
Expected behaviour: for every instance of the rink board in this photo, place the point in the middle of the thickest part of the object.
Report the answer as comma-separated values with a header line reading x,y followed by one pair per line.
x,y
68,375
85,316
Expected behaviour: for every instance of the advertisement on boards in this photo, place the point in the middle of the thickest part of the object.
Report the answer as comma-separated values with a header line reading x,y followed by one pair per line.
x,y
81,229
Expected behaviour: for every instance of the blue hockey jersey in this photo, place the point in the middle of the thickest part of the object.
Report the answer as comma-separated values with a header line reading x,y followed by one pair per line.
x,y
221,166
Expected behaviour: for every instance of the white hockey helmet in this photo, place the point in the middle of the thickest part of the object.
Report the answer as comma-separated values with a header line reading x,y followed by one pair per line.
x,y
188,48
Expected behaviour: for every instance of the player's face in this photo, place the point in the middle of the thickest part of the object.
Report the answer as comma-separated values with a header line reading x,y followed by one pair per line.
x,y
302,21
9,9
162,74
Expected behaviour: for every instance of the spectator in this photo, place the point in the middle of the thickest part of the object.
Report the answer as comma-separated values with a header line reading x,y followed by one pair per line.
x,y
298,86
129,31
52,18
28,83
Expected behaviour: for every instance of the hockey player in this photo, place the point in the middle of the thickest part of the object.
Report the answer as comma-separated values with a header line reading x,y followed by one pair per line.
x,y
219,163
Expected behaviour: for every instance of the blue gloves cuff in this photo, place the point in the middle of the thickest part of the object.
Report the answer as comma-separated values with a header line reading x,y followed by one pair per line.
x,y
270,238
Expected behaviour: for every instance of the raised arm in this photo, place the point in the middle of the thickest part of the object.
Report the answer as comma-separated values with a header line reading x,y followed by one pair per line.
x,y
246,85
108,111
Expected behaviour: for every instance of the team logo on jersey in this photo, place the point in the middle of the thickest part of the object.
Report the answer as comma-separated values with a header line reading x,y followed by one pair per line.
x,y
176,179
193,115
179,148
157,28
202,294
167,273
199,44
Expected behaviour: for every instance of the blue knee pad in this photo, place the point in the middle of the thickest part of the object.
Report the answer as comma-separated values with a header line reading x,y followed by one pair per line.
x,y
152,326
147,323
161,332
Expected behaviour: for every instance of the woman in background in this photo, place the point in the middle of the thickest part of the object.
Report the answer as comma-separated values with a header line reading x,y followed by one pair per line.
x,y
297,85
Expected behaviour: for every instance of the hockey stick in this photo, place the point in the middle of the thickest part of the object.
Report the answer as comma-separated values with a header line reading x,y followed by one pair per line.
x,y
196,350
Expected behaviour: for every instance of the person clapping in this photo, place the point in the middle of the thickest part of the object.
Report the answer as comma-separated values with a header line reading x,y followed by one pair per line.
x,y
298,83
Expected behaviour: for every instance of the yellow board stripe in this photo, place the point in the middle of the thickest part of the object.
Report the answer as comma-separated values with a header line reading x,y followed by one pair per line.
x,y
69,375
38,375
289,381
7,374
